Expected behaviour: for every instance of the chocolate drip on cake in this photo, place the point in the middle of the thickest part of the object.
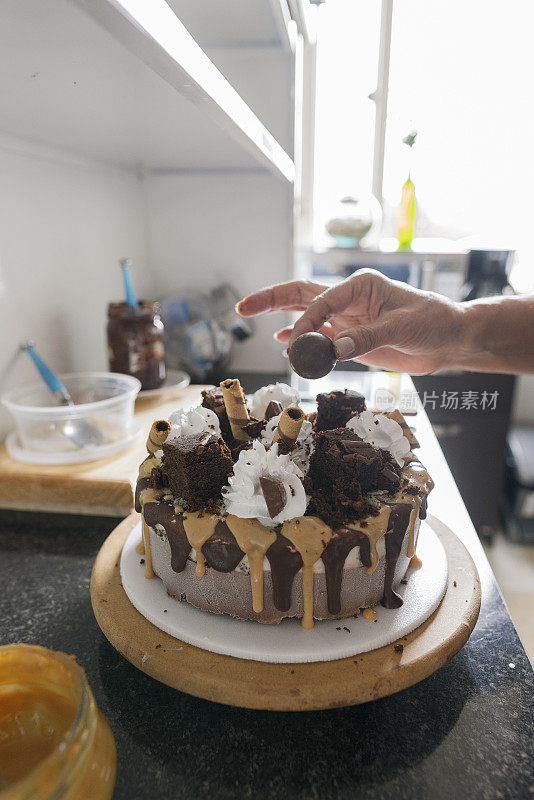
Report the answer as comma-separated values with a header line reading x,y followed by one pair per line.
x,y
424,506
165,515
221,550
285,561
142,484
399,520
342,542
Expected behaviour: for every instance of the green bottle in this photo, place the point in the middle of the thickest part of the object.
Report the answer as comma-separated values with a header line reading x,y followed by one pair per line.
x,y
406,219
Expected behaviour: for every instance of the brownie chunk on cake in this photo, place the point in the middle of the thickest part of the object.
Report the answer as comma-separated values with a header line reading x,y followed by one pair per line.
x,y
196,468
334,409
343,470
272,516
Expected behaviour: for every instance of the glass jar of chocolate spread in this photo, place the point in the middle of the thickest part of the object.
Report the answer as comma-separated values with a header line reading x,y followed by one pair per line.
x,y
135,342
55,743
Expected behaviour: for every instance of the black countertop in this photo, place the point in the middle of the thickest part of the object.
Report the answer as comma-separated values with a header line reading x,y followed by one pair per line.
x,y
465,732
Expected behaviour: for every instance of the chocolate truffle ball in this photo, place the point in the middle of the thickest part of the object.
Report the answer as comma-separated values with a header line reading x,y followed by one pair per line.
x,y
312,355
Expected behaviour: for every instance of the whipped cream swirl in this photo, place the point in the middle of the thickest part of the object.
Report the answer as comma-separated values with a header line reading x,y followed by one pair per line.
x,y
381,432
274,392
304,446
244,497
193,421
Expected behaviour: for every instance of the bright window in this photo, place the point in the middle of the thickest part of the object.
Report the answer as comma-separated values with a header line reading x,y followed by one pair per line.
x,y
347,60
460,73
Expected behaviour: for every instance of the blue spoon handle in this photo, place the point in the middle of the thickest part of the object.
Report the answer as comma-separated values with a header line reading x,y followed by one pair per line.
x,y
49,377
131,297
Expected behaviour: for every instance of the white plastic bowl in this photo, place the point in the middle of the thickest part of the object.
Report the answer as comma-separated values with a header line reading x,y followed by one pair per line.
x,y
103,399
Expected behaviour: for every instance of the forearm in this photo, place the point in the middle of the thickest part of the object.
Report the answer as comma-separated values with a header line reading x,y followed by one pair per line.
x,y
497,335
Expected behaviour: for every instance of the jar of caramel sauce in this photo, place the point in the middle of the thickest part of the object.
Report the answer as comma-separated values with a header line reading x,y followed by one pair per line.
x,y
54,741
135,342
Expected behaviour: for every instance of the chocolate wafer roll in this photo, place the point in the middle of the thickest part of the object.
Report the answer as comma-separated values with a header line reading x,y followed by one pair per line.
x,y
234,401
289,425
158,433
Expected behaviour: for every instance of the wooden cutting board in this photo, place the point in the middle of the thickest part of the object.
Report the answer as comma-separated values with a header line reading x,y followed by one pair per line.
x,y
102,487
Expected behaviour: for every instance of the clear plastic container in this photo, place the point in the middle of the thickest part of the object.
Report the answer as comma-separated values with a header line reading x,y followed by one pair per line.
x,y
103,400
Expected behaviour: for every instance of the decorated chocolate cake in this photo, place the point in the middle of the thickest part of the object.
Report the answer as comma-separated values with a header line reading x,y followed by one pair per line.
x,y
255,509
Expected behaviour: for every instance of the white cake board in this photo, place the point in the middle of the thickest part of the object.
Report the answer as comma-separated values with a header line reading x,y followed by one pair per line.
x,y
289,642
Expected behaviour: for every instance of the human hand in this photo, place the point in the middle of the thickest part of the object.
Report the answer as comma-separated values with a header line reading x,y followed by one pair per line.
x,y
372,319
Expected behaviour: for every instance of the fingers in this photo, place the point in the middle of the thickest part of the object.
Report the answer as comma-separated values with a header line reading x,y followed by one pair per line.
x,y
284,334
333,301
362,339
290,296
388,358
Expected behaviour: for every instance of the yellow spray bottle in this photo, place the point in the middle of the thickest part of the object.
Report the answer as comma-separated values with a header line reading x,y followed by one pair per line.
x,y
406,219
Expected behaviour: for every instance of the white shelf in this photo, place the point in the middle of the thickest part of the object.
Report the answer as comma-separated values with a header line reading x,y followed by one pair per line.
x,y
123,81
438,251
236,23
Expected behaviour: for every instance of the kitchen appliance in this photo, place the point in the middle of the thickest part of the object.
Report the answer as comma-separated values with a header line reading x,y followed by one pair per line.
x,y
487,273
518,500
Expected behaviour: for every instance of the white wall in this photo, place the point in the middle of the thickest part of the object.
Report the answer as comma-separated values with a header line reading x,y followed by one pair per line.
x,y
64,224
236,228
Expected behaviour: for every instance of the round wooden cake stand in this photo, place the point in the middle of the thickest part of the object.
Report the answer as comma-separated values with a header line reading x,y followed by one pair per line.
x,y
286,687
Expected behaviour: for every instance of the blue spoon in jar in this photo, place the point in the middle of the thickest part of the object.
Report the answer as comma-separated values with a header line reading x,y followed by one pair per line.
x,y
80,432
129,291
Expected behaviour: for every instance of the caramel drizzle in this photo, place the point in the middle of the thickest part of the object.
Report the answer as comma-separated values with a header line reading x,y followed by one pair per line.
x,y
310,536
254,539
148,495
419,479
376,528
414,514
147,466
149,572
198,529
